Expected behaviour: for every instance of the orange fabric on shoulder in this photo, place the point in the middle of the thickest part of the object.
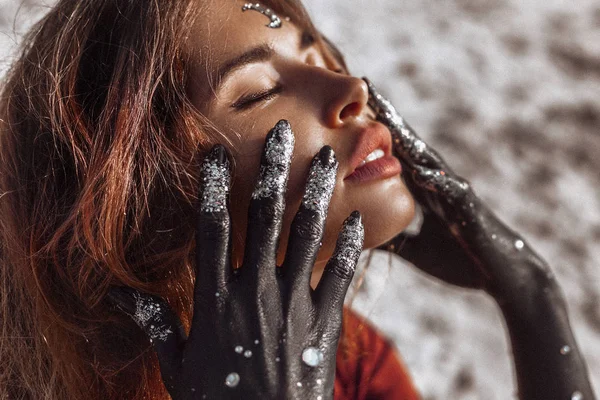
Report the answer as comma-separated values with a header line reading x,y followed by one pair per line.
x,y
368,366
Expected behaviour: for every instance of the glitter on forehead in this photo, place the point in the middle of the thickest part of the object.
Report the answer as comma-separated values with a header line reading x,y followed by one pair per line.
x,y
216,182
278,155
350,242
319,187
148,316
275,20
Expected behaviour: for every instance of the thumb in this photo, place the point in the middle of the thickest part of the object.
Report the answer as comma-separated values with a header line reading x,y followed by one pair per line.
x,y
160,324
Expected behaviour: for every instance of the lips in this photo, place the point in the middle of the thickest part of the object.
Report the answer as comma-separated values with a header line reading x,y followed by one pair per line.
x,y
372,141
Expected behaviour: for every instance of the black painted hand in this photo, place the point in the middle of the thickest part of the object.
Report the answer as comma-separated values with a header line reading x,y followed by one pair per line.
x,y
261,331
461,241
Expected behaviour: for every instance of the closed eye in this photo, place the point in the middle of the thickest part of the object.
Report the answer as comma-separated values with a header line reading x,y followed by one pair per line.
x,y
254,98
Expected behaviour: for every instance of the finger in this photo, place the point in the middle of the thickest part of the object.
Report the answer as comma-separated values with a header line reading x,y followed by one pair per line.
x,y
332,288
407,144
307,228
452,189
267,204
213,268
160,324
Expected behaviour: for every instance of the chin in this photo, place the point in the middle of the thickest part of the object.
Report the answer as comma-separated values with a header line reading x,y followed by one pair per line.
x,y
386,211
386,219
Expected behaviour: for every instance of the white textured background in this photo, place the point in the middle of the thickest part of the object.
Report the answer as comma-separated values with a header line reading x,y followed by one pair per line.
x,y
509,92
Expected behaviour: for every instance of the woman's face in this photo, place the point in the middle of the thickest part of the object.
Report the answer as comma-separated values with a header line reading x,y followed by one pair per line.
x,y
323,104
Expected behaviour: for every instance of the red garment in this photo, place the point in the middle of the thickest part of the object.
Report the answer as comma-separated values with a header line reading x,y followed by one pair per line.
x,y
368,366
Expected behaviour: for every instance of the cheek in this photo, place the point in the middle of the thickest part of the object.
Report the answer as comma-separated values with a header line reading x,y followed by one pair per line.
x,y
244,181
387,208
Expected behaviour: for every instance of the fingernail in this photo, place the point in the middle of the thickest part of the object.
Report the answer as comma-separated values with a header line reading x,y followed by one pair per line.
x,y
275,162
215,181
327,156
354,218
321,181
369,83
218,153
350,242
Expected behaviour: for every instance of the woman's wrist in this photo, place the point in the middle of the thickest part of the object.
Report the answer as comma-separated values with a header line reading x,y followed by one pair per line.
x,y
532,290
548,363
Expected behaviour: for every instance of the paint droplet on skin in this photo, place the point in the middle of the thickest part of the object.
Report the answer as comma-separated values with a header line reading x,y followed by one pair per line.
x,y
256,341
248,353
312,356
299,384
239,349
577,396
232,380
519,244
565,350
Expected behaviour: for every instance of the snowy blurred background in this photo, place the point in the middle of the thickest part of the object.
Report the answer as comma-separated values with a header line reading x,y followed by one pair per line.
x,y
509,92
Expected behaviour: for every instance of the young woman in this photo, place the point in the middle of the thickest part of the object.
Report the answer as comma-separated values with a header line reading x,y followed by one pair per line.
x,y
212,170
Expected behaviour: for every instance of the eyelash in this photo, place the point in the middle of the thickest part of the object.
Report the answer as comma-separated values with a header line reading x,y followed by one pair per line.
x,y
265,95
250,100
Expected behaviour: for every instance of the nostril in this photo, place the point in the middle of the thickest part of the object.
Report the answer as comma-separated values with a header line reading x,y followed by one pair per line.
x,y
349,110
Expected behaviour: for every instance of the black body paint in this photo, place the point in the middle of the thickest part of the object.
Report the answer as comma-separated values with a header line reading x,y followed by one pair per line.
x,y
263,332
462,242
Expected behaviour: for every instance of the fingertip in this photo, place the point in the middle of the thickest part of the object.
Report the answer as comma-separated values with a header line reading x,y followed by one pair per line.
x,y
275,161
321,181
370,84
283,124
215,181
349,244
218,153
327,156
355,217
340,268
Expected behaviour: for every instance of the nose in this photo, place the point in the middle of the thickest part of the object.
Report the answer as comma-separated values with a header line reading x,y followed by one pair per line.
x,y
346,99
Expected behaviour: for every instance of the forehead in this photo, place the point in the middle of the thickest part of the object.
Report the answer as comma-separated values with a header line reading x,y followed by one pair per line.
x,y
222,31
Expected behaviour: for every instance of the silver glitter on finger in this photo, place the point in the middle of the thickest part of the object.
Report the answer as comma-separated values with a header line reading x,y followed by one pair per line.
x,y
275,20
350,242
403,136
148,316
216,180
321,181
275,168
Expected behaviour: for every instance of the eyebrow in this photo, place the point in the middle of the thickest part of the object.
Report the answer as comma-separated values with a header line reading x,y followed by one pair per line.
x,y
261,53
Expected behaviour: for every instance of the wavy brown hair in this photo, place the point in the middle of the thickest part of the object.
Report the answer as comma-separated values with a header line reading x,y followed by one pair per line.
x,y
100,152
